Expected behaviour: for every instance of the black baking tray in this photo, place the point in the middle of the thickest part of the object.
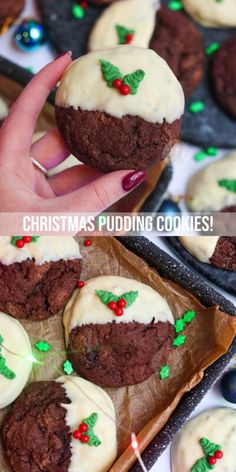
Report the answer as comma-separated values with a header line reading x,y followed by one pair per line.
x,y
175,271
224,279
212,127
22,76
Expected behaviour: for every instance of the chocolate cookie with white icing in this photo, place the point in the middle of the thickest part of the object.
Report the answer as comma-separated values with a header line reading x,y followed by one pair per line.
x,y
65,426
14,370
118,331
37,275
220,251
212,13
146,23
205,442
119,108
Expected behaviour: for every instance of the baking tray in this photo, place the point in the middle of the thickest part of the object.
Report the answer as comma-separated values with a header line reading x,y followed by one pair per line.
x,y
188,279
224,279
212,127
147,197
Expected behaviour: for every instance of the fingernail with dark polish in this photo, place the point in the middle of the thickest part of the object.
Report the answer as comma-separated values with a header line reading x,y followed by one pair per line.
x,y
68,53
133,179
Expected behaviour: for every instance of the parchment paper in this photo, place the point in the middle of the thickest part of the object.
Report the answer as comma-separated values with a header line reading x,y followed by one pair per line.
x,y
143,408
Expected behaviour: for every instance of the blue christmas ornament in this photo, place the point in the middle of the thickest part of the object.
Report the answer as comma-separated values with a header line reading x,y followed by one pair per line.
x,y
168,207
30,35
228,386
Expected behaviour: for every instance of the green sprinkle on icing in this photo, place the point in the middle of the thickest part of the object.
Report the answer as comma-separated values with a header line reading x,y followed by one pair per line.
x,y
230,185
213,47
164,372
179,340
196,107
43,346
67,367
175,5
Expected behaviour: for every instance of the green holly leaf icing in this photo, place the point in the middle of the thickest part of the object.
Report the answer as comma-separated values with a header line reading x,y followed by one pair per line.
x,y
122,33
189,316
179,340
91,422
209,447
133,80
201,466
109,72
107,297
35,239
228,184
14,239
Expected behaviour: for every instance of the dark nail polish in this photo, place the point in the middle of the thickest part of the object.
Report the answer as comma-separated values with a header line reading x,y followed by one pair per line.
x,y
133,179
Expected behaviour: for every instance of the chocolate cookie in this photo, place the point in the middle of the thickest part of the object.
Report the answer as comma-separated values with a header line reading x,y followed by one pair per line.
x,y
119,108
176,39
224,255
37,280
10,9
38,431
224,76
114,346
157,27
219,251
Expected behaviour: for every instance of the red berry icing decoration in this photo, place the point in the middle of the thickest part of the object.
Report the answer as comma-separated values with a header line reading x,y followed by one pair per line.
x,y
119,312
77,434
20,243
129,38
85,433
117,303
80,284
117,83
83,428
87,242
125,89
211,460
122,303
27,239
112,305
218,454
127,84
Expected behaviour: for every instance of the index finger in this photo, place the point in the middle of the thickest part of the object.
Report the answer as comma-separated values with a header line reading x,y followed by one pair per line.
x,y
18,128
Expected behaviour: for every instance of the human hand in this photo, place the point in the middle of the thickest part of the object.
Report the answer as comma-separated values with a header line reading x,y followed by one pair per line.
x,y
25,188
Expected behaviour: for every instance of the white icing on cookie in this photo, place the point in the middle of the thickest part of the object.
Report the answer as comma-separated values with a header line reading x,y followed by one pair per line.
x,y
85,306
201,247
217,425
3,109
15,339
203,192
212,13
86,398
46,249
138,15
159,97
